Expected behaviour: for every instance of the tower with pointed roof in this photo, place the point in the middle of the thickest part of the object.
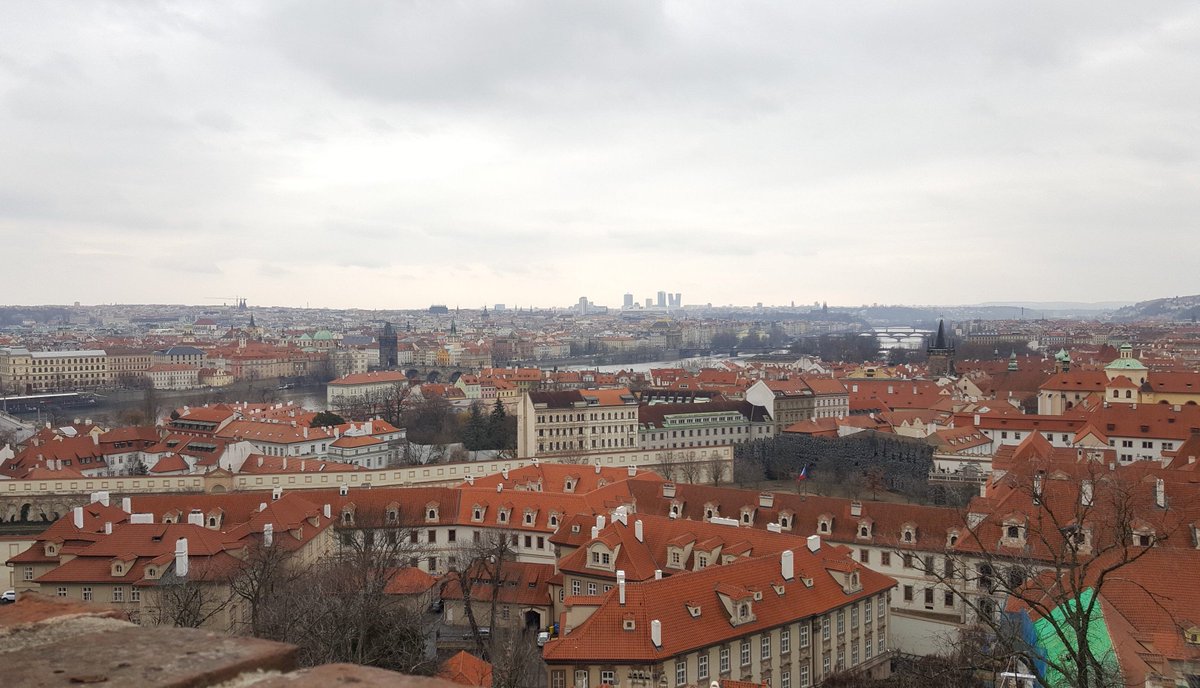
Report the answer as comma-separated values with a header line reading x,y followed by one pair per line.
x,y
941,354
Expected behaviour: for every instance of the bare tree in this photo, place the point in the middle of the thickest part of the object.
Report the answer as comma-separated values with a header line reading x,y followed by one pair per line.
x,y
690,471
339,609
188,602
717,471
481,578
264,582
1066,535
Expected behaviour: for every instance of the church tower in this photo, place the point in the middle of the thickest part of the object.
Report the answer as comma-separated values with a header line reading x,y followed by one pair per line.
x,y
941,354
387,347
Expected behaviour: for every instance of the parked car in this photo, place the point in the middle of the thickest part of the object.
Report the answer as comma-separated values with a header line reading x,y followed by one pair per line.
x,y
484,632
8,597
543,638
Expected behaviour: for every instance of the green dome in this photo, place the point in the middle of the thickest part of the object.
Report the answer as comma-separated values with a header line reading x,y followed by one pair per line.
x,y
323,335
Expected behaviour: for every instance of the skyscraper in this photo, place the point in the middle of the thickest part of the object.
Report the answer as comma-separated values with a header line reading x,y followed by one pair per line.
x,y
628,303
662,299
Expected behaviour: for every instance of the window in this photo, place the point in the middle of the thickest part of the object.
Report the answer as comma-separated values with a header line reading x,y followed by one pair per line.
x,y
825,628
868,647
841,658
558,679
451,535
702,666
87,593
864,555
765,646
928,597
432,537
880,644
854,617
908,593
745,653
118,594
785,679
785,641
28,573
62,591
581,678
948,599
743,611
680,672
854,654
885,558
575,587
841,621
591,588
804,680
608,677
825,665
724,659
701,561
867,611
803,635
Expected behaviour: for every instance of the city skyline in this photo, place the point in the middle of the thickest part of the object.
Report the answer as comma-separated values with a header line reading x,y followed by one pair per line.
x,y
384,156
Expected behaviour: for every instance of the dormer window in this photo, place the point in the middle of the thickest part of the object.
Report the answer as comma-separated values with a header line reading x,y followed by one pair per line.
x,y
824,525
477,513
502,516
431,513
1192,635
529,516
553,520
392,516
119,569
908,536
569,486
347,517
701,561
747,516
785,522
908,533
952,538
1014,532
744,611
864,530
212,521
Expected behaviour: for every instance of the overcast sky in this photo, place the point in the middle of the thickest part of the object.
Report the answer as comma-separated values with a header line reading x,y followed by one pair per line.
x,y
399,154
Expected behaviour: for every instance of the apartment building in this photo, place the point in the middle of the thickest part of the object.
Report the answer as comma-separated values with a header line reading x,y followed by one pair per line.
x,y
23,371
789,619
799,398
678,426
576,421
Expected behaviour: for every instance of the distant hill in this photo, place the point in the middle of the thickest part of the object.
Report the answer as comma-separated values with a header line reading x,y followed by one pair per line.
x,y
1175,308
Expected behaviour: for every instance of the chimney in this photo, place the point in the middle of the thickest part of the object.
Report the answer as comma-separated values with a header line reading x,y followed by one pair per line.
x,y
766,500
276,494
814,543
637,530
1086,493
95,438
285,463
600,521
499,487
595,532
657,574
108,527
504,472
260,460
343,490
656,633
127,505
268,534
471,480
668,490
632,471
195,518
305,432
327,511
262,506
77,516
597,469
856,508
1160,493
181,558
302,462
774,528
141,518
976,420
621,586
787,565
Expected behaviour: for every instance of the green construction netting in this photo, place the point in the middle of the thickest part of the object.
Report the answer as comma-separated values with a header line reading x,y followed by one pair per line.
x,y
1052,645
